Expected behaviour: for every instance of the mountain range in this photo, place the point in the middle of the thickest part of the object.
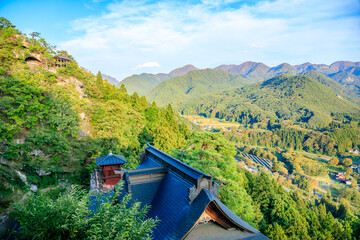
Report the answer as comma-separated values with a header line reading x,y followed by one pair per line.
x,y
195,83
302,99
110,79
344,72
145,82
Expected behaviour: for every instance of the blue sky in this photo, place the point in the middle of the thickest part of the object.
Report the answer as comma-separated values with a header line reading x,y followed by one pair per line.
x,y
121,38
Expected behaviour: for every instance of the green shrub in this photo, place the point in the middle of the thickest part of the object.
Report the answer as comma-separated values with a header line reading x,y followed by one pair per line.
x,y
45,216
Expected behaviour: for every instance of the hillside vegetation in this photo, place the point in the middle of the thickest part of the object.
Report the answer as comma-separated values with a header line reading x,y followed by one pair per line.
x,y
195,83
145,82
344,72
335,86
285,97
287,111
55,120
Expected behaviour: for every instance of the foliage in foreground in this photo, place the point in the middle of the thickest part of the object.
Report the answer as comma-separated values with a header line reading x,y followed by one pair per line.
x,y
69,217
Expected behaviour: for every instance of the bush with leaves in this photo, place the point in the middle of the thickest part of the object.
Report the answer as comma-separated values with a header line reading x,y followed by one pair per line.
x,y
69,217
334,161
346,162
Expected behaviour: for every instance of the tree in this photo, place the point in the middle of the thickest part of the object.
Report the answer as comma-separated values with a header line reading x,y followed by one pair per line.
x,y
349,171
248,162
69,217
334,161
99,81
279,167
346,162
33,36
4,23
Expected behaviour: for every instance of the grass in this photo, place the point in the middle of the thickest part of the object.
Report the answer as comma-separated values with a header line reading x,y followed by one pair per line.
x,y
216,123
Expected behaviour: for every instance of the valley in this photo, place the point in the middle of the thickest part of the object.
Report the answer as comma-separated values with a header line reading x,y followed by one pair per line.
x,y
56,118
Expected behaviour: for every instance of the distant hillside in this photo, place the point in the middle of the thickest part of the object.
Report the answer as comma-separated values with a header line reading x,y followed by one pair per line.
x,y
252,70
345,72
145,82
182,71
281,69
348,80
337,87
110,79
285,97
193,84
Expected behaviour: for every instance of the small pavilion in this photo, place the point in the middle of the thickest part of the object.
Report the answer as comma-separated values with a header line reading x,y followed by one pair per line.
x,y
111,165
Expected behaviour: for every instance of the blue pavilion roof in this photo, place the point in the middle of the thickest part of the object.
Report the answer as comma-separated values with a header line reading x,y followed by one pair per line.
x,y
110,159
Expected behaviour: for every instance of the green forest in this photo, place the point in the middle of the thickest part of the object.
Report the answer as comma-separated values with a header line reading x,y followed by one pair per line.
x,y
195,83
295,112
57,120
50,124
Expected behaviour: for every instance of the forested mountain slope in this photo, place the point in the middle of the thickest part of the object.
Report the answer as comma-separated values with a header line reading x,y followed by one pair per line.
x,y
110,79
145,82
335,86
344,72
285,97
348,80
193,84
259,71
54,120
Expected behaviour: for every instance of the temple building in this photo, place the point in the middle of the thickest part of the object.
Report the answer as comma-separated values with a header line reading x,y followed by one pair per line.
x,y
61,61
111,165
184,199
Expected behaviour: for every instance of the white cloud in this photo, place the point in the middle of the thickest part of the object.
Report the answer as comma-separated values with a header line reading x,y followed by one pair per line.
x,y
254,45
147,65
176,34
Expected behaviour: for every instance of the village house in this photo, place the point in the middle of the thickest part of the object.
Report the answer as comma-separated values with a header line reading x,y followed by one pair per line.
x,y
340,176
355,151
355,168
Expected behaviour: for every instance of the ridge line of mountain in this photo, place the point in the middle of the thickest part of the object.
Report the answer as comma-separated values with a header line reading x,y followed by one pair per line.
x,y
344,72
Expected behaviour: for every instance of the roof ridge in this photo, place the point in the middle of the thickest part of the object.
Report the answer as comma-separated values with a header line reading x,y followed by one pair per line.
x,y
109,156
180,162
105,157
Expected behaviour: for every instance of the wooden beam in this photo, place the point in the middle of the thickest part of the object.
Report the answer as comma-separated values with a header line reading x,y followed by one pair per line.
x,y
218,216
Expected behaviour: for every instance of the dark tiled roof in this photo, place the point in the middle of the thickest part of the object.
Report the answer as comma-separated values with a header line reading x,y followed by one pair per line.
x,y
238,221
110,159
145,192
148,163
62,57
168,195
199,205
147,171
169,205
174,164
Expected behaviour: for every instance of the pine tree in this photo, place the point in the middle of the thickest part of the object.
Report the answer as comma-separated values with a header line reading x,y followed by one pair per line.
x,y
100,82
